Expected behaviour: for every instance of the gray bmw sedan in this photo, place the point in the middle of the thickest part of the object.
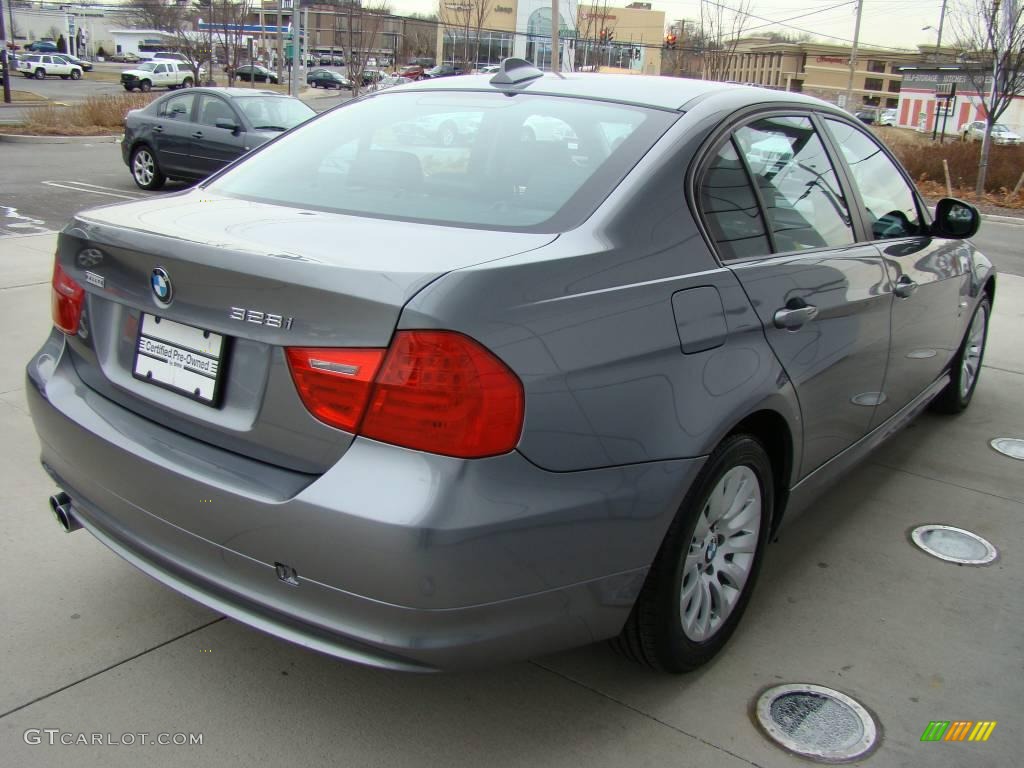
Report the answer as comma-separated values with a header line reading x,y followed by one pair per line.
x,y
428,404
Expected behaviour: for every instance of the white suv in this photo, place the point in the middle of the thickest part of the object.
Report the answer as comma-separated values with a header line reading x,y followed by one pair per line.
x,y
43,65
158,74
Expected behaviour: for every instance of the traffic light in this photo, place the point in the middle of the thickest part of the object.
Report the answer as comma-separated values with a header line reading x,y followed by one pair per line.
x,y
604,34
609,34
670,41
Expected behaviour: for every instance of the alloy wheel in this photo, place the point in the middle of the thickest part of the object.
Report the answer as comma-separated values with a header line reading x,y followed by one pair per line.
x,y
143,167
721,553
972,351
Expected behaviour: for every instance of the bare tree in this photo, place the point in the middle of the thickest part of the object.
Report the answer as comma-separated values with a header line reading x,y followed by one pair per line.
x,y
231,17
721,27
371,20
468,17
990,40
166,15
196,46
592,21
420,35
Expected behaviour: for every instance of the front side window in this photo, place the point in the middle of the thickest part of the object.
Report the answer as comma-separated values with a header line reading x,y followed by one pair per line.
x,y
730,208
468,159
212,109
803,201
889,203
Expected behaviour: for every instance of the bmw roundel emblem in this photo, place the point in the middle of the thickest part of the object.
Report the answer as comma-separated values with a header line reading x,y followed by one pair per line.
x,y
160,282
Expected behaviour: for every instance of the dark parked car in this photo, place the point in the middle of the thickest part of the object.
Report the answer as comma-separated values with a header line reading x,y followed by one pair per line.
x,y
42,46
188,136
444,70
85,65
326,78
257,72
455,405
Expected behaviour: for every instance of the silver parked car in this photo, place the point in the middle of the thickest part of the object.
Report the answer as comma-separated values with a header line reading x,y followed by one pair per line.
x,y
426,406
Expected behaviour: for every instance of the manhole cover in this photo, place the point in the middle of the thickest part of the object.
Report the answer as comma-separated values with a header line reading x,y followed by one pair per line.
x,y
954,545
816,722
1009,446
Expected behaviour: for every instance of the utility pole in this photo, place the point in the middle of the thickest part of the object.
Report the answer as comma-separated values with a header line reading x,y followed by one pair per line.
x,y
554,37
3,55
280,40
293,81
853,55
942,21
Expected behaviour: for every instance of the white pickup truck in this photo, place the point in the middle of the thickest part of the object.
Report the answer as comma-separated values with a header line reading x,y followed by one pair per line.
x,y
158,74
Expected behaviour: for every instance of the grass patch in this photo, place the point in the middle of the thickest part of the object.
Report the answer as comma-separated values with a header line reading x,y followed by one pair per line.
x,y
923,160
97,115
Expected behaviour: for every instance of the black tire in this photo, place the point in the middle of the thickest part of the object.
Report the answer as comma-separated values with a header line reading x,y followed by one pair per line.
x,y
958,393
40,74
145,156
76,74
187,82
653,633
128,88
145,86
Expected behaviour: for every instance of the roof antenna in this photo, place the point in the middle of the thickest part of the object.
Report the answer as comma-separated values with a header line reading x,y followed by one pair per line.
x,y
514,71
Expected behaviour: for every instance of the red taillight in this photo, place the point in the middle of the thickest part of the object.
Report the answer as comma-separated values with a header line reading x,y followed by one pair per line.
x,y
68,297
436,391
334,384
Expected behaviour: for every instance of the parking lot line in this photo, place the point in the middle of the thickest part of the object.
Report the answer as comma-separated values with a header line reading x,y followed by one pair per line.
x,y
79,186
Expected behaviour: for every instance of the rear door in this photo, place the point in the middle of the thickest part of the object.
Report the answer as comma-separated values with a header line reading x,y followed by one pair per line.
x,y
172,134
211,147
929,274
773,203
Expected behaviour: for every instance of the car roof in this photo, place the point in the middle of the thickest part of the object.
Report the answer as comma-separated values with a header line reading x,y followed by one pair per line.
x,y
672,93
235,92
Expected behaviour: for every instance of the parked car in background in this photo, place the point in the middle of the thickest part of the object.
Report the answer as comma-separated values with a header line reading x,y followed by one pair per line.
x,y
158,74
887,117
255,72
85,65
1001,134
372,76
43,65
488,69
412,71
124,58
444,70
42,46
866,116
327,78
389,81
189,135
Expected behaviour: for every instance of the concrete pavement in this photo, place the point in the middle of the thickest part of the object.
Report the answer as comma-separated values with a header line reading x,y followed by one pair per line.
x,y
93,646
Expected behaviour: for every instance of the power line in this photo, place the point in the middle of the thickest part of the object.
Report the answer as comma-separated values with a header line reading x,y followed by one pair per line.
x,y
802,15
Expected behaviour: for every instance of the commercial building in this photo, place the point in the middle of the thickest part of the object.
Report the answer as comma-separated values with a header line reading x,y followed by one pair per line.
x,y
822,70
592,36
924,105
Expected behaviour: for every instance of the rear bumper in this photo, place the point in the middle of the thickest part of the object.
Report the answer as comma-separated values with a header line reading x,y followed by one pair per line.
x,y
404,560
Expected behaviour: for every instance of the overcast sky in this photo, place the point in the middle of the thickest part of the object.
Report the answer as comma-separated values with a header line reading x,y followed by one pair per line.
x,y
895,23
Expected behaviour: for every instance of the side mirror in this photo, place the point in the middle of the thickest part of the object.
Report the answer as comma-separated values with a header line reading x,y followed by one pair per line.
x,y
227,124
955,219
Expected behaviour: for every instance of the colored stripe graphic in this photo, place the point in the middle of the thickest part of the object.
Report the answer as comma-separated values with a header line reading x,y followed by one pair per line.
x,y
935,731
958,730
982,730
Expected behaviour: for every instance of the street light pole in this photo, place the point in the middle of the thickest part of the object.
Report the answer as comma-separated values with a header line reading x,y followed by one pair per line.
x,y
853,55
942,21
3,56
554,37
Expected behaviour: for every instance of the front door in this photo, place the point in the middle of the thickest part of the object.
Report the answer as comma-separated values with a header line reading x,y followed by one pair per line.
x,y
212,147
824,301
927,272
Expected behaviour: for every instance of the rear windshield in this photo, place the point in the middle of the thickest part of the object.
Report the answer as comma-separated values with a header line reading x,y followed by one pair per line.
x,y
484,160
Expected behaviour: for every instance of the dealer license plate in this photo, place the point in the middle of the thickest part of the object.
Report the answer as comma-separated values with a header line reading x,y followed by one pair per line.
x,y
180,358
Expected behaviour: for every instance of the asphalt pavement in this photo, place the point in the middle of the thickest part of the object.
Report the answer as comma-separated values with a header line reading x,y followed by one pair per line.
x,y
92,646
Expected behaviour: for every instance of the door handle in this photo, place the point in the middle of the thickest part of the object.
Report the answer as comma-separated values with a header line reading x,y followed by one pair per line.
x,y
795,317
905,288
197,135
158,129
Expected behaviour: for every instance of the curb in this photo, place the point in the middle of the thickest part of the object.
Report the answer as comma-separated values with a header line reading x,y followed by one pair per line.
x,y
1018,220
14,138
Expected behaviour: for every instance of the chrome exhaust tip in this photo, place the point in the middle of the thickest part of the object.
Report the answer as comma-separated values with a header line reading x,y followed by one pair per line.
x,y
60,504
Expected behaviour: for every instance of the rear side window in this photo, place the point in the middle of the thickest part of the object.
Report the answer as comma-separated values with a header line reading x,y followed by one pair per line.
x,y
803,201
730,208
178,107
476,159
889,202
